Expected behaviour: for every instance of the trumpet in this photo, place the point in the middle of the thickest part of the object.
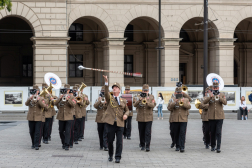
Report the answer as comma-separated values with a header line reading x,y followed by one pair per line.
x,y
197,103
184,88
217,98
64,98
103,99
54,99
78,98
181,103
35,98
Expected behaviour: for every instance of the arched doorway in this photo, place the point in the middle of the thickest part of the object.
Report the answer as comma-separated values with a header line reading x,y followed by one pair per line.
x,y
243,51
86,48
16,52
191,51
140,54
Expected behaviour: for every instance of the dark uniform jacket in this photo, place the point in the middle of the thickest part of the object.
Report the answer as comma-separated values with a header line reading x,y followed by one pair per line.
x,y
114,111
36,108
145,112
215,110
101,108
179,113
66,109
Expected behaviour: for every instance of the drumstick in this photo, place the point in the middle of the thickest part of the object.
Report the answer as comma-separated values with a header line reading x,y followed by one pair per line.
x,y
102,70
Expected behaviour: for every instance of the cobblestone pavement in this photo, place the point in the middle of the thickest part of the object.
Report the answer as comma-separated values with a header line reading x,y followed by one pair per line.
x,y
15,148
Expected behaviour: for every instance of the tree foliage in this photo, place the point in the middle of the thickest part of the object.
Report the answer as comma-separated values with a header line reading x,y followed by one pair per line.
x,y
5,3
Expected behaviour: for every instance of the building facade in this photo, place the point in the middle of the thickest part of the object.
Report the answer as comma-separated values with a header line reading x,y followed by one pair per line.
x,y
59,35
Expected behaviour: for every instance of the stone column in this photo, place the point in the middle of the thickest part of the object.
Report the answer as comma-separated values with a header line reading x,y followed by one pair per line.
x,y
50,55
170,62
114,59
225,59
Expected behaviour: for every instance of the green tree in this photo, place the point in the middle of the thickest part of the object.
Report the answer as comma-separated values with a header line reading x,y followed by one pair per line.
x,y
5,3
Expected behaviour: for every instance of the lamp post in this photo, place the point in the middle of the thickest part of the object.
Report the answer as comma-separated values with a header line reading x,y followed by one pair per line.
x,y
205,44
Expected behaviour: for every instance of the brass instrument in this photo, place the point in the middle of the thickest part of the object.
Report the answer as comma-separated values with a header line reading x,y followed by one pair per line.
x,y
54,99
35,98
78,98
217,98
103,100
200,111
49,89
64,98
44,92
144,101
197,103
184,88
181,103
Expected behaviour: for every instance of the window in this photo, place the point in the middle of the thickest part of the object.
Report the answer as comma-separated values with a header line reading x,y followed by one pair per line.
x,y
76,32
128,64
129,33
183,34
27,66
74,62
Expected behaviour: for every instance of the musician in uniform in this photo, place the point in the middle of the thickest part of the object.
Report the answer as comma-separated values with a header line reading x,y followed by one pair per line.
x,y
35,116
53,114
65,104
179,118
72,92
101,106
204,116
216,115
171,128
84,113
144,107
127,124
78,115
48,115
117,111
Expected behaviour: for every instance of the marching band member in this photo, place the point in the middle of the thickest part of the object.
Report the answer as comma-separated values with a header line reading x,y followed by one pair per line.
x,y
78,115
53,114
101,106
84,113
171,126
72,93
216,115
179,117
65,104
35,116
117,111
127,123
144,107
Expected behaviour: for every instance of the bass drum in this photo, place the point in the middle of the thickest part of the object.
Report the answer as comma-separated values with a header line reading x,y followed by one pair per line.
x,y
129,98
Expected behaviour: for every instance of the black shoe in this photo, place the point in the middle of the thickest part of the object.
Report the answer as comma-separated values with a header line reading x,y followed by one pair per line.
x,y
172,145
105,149
32,146
110,159
212,149
82,138
128,138
63,146
39,145
117,161
46,142
49,139
218,151
36,148
182,150
147,149
79,139
142,148
67,148
207,146
76,142
124,137
177,149
71,146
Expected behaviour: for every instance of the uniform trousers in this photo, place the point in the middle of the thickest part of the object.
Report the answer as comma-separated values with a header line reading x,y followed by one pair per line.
x,y
35,132
82,127
42,131
65,131
215,132
77,129
145,133
50,127
102,132
127,127
206,132
112,131
46,129
179,129
72,131
172,133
